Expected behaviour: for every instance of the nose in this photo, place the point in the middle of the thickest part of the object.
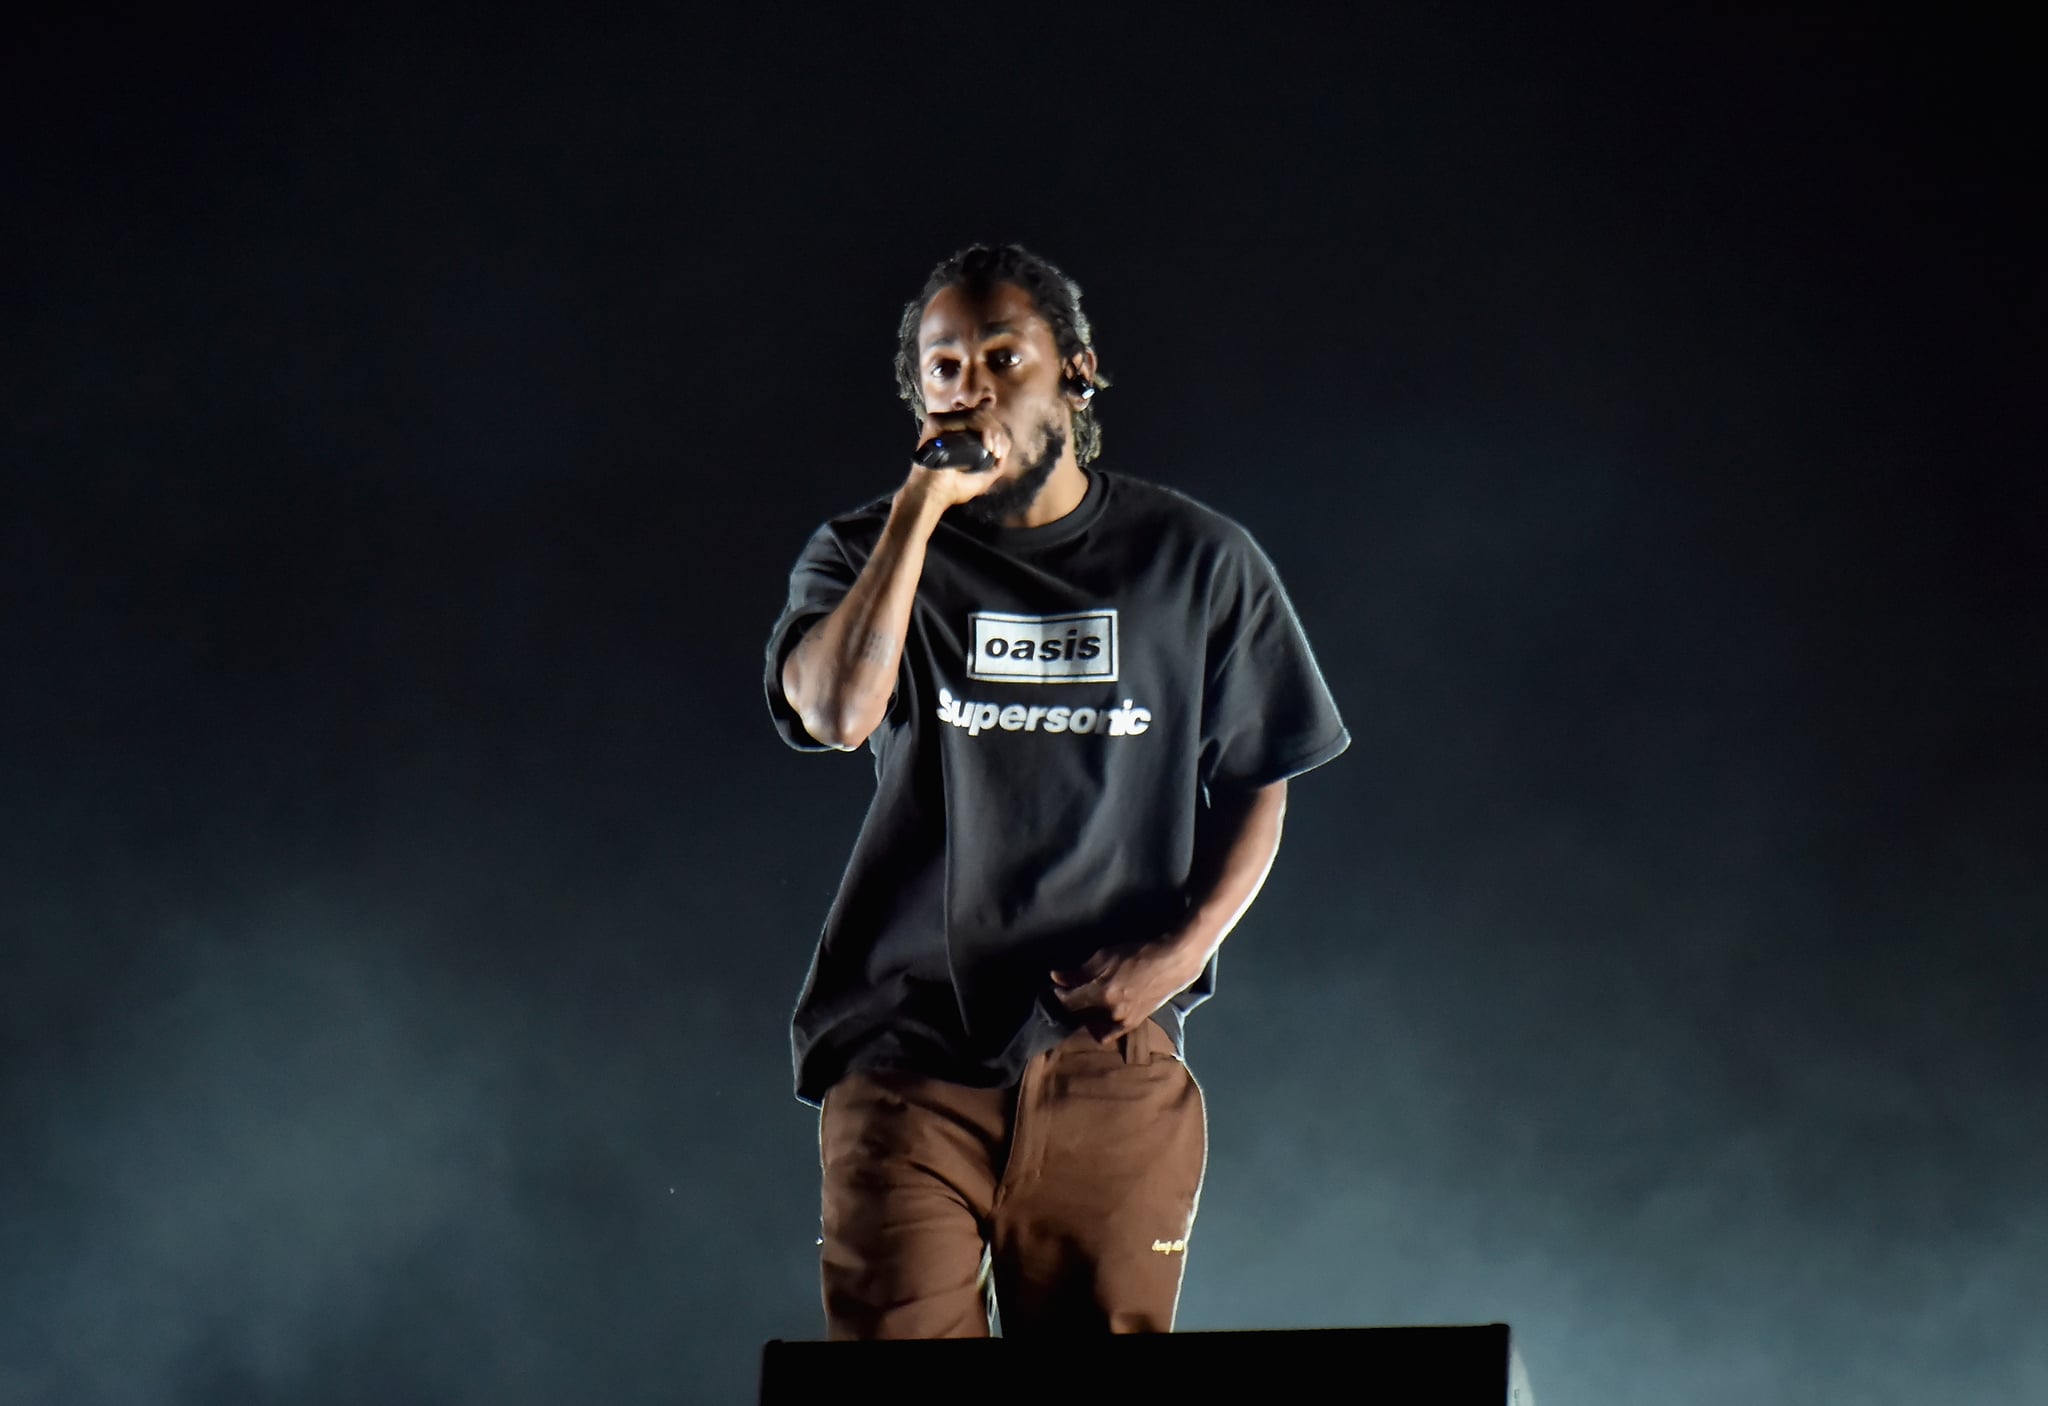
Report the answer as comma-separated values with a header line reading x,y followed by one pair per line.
x,y
973,389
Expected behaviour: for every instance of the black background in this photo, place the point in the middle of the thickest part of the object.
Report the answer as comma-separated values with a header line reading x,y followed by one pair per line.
x,y
409,427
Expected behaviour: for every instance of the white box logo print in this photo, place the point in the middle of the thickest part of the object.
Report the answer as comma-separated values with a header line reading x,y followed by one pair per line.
x,y
1075,648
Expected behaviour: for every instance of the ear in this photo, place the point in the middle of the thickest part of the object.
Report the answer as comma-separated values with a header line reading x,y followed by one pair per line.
x,y
1082,366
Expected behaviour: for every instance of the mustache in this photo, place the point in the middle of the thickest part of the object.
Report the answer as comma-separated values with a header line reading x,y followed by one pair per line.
x,y
957,420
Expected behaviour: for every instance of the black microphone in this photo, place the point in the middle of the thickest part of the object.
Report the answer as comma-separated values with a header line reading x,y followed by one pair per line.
x,y
956,449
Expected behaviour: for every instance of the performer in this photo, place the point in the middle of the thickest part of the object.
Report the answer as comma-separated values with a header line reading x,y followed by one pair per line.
x,y
1085,695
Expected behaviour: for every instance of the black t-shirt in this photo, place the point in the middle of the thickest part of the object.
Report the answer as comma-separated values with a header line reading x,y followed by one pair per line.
x,y
1070,698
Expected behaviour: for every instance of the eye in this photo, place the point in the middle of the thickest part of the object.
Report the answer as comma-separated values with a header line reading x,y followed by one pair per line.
x,y
940,370
1004,358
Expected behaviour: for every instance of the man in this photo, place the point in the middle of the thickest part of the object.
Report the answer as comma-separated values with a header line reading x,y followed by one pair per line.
x,y
1085,695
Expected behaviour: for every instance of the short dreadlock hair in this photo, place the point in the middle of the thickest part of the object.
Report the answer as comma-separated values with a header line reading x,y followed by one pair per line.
x,y
980,267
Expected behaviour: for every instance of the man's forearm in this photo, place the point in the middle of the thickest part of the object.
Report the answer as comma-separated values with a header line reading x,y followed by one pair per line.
x,y
840,677
1245,836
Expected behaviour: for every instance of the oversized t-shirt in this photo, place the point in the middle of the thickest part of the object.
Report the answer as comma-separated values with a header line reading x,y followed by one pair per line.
x,y
1070,700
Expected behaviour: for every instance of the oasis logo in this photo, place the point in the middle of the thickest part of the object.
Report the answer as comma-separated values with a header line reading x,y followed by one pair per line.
x,y
1075,648
977,718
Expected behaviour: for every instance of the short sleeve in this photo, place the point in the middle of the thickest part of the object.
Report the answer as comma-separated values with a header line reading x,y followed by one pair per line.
x,y
1267,715
819,581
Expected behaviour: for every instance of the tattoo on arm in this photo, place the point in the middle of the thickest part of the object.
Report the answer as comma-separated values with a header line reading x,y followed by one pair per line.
x,y
876,648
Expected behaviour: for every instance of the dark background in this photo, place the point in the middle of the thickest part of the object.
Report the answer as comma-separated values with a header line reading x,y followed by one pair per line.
x,y
408,431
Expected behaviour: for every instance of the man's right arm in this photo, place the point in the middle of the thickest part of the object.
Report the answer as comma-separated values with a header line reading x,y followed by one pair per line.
x,y
841,675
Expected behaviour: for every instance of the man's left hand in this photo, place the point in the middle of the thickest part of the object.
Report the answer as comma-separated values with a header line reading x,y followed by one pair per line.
x,y
1116,990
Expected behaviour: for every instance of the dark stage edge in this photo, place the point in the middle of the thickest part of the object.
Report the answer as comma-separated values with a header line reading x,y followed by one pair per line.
x,y
1438,1365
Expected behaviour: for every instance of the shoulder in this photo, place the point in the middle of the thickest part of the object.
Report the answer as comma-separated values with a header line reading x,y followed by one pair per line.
x,y
868,518
855,531
1170,517
1143,503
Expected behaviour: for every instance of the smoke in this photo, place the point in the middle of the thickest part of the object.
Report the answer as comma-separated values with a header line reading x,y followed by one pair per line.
x,y
304,1150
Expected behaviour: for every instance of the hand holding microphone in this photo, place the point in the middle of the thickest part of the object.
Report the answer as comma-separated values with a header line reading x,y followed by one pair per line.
x,y
956,459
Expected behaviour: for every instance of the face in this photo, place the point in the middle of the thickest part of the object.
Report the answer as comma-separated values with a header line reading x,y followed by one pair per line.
x,y
994,355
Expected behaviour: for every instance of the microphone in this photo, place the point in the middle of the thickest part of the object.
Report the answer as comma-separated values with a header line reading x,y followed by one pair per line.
x,y
956,449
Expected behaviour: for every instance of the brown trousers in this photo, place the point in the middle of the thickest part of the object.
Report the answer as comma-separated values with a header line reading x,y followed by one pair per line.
x,y
1064,1204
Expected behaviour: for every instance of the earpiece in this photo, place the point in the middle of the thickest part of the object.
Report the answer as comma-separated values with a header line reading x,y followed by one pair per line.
x,y
1079,385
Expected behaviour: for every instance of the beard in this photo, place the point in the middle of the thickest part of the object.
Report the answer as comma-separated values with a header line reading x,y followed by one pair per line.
x,y
1014,499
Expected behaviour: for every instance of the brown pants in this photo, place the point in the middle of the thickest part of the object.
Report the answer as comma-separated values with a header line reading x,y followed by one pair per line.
x,y
1067,1200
